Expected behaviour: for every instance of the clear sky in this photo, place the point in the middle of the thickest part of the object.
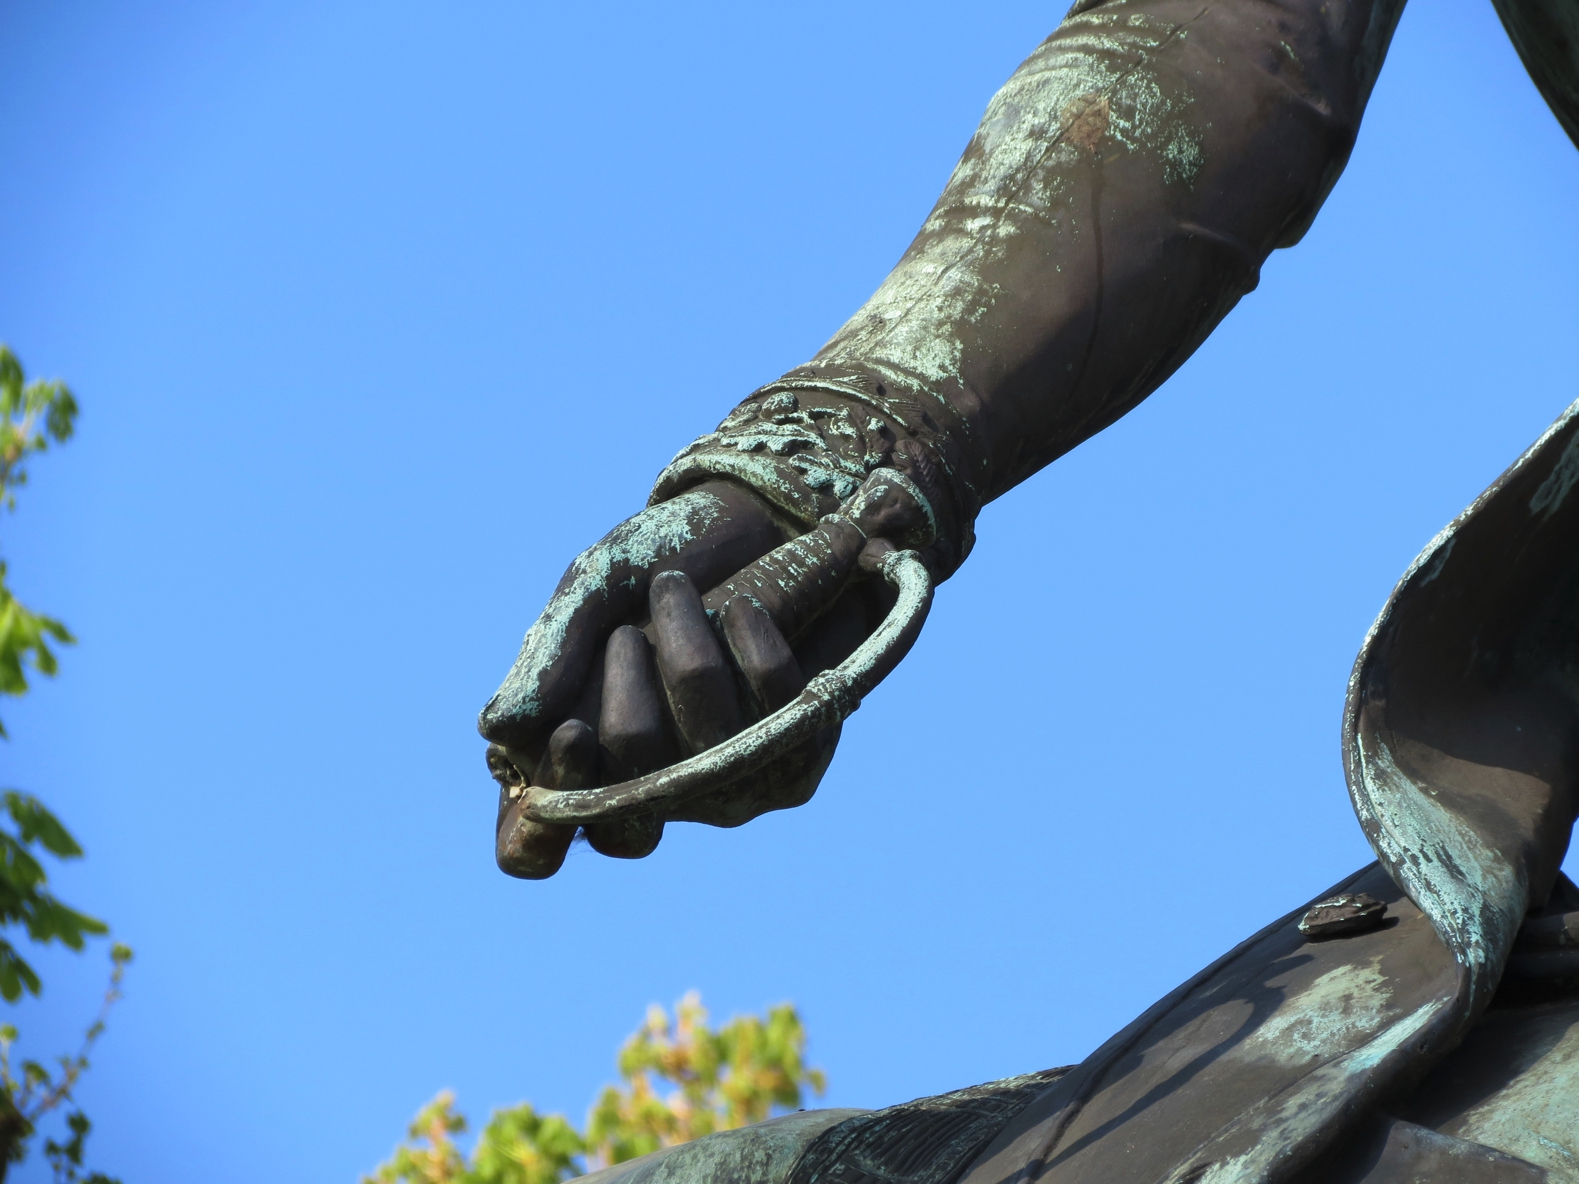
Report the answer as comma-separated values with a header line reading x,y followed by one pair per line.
x,y
379,313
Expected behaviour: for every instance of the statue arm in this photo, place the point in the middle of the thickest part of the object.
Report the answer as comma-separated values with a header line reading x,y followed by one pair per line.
x,y
1115,203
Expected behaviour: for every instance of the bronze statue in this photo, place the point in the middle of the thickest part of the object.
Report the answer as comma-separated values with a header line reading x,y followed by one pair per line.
x,y
1418,1021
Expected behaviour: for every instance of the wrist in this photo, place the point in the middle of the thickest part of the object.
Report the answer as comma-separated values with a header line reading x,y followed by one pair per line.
x,y
805,443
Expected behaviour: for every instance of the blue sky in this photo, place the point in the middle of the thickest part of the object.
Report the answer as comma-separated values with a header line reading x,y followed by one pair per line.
x,y
378,313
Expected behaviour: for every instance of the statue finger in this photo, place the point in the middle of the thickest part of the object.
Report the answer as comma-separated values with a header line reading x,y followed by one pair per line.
x,y
632,738
571,761
528,849
523,848
761,652
631,730
697,680
782,785
626,838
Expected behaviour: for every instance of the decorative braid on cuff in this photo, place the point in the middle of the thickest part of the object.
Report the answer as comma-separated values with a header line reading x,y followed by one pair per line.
x,y
805,442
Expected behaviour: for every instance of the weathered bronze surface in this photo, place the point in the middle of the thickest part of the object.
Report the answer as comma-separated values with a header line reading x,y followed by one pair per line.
x,y
1417,1021
1343,914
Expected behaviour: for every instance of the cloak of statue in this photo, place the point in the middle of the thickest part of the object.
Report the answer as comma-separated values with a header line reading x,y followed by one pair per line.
x,y
1419,1020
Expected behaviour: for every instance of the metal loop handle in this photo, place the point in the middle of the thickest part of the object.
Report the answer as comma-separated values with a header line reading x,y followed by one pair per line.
x,y
829,698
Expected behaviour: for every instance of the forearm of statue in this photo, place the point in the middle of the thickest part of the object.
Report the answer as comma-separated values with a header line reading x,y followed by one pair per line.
x,y
1117,200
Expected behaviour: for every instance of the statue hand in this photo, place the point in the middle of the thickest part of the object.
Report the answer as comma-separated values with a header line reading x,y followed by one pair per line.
x,y
593,699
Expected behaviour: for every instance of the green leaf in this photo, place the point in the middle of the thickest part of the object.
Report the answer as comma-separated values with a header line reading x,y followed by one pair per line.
x,y
20,873
15,974
24,642
10,382
50,920
60,413
37,823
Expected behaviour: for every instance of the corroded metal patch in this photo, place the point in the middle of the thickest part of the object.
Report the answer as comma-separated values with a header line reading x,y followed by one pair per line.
x,y
1337,915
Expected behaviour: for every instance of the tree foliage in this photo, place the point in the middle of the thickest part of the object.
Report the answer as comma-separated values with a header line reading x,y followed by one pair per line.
x,y
31,1091
32,414
24,896
518,1146
723,1079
